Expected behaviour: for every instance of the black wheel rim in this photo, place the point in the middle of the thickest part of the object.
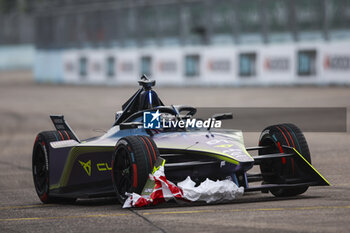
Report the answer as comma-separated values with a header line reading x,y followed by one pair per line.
x,y
123,172
40,170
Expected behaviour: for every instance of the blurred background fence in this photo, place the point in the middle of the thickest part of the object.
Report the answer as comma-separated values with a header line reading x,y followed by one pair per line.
x,y
188,41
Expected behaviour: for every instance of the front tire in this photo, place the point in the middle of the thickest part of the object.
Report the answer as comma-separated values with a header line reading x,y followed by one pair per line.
x,y
40,165
132,162
277,171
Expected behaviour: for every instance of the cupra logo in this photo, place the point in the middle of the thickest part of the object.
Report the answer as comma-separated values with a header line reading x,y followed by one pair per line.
x,y
86,166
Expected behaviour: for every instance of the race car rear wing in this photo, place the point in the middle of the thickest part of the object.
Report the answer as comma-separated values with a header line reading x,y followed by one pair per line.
x,y
60,124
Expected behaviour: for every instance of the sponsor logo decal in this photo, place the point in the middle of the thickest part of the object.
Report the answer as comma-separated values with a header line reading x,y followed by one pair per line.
x,y
126,66
167,66
337,62
219,65
277,64
103,167
86,166
230,149
225,145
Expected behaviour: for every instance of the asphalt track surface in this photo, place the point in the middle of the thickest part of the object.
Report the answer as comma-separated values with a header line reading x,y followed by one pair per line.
x,y
24,110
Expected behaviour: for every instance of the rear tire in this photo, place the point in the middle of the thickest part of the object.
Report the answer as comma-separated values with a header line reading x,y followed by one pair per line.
x,y
132,162
277,171
40,165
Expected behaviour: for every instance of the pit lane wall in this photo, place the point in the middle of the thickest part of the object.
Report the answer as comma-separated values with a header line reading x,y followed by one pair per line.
x,y
318,63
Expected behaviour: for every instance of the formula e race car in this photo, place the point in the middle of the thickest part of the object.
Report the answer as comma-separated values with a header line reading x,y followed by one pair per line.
x,y
66,168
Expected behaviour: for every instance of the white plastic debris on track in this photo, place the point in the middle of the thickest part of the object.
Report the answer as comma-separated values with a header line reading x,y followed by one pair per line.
x,y
210,191
185,191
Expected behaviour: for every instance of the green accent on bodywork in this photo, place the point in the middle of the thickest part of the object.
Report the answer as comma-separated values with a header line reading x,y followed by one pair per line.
x,y
160,162
224,159
227,146
220,156
311,166
150,184
211,153
73,155
54,186
245,151
238,139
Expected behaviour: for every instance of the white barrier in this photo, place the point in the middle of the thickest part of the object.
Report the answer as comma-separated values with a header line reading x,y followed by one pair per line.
x,y
16,57
281,64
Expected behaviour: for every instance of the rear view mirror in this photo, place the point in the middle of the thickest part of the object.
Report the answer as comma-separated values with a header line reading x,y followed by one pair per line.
x,y
223,116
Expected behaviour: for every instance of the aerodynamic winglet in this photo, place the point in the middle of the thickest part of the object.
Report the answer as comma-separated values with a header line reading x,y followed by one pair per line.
x,y
61,124
312,171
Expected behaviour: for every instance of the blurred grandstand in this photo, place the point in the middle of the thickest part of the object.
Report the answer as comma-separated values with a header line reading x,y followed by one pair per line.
x,y
177,42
